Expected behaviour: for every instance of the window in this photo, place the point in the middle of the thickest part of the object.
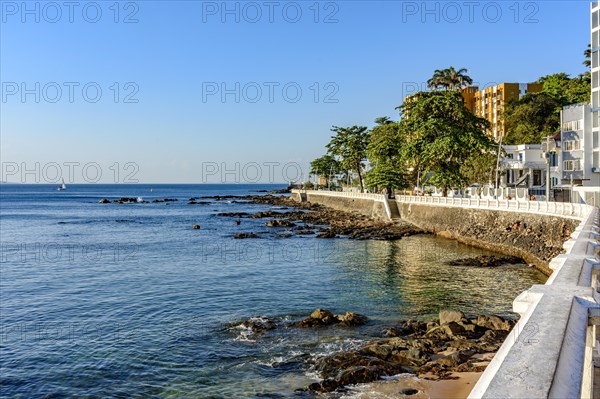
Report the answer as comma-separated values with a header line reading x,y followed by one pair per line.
x,y
572,125
569,166
571,145
596,160
537,177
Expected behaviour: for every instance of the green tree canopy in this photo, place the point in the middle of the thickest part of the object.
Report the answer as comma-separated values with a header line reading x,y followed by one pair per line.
x,y
441,133
325,166
566,90
480,168
384,151
349,144
449,79
531,118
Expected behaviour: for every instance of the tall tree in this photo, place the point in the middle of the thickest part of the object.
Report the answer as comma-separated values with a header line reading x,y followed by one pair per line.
x,y
350,145
566,90
531,118
325,166
479,168
441,133
384,152
449,79
588,56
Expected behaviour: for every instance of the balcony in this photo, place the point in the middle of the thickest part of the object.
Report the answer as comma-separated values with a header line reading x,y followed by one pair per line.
x,y
516,164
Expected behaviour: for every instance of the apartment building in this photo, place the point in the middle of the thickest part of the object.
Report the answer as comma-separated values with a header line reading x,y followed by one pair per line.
x,y
490,102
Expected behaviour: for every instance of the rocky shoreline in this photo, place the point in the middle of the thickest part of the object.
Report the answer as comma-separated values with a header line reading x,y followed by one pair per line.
x,y
319,220
430,350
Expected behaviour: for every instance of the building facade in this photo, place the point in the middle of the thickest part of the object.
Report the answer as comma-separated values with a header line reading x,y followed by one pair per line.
x,y
577,147
490,102
524,166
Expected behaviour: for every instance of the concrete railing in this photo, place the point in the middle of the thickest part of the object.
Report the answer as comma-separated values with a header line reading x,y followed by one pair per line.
x,y
563,209
344,194
550,351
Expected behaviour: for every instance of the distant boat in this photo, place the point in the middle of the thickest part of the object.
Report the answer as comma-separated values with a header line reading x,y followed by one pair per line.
x,y
62,186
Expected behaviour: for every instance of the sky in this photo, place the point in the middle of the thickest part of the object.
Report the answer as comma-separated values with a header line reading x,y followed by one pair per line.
x,y
242,92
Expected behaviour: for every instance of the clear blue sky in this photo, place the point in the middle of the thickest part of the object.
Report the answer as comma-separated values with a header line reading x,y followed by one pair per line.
x,y
178,54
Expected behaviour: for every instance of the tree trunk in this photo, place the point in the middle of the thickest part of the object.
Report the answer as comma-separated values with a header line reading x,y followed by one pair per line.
x,y
445,191
360,180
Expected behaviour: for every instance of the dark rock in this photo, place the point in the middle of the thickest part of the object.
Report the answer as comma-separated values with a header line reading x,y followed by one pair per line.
x,y
104,201
304,232
245,235
327,234
409,391
322,317
494,323
351,319
486,261
266,214
233,214
196,227
259,324
280,223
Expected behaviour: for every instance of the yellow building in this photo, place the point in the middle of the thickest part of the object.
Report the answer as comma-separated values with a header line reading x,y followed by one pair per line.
x,y
490,102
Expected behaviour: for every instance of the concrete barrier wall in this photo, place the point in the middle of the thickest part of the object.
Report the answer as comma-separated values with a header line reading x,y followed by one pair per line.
x,y
535,238
373,206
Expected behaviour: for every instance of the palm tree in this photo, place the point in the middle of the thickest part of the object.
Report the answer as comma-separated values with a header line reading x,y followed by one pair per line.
x,y
438,79
588,56
458,79
449,79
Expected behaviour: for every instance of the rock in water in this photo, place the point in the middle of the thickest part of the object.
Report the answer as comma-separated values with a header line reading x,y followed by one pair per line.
x,y
245,235
323,317
196,227
351,319
280,223
487,261
449,316
104,201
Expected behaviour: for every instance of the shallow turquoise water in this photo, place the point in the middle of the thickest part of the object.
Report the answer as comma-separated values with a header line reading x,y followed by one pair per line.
x,y
109,300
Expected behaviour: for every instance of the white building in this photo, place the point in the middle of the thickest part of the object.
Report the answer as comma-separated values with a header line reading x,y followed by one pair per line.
x,y
524,166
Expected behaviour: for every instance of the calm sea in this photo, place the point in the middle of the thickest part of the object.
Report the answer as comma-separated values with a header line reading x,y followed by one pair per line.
x,y
127,300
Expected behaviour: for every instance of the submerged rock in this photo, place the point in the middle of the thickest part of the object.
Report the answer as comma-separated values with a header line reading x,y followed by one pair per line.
x,y
245,235
280,223
486,261
259,324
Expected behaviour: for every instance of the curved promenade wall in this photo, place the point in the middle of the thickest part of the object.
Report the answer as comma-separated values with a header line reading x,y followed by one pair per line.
x,y
533,237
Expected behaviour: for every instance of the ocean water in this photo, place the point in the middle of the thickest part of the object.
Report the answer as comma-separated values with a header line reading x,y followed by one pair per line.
x,y
127,300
